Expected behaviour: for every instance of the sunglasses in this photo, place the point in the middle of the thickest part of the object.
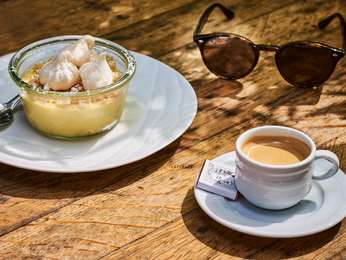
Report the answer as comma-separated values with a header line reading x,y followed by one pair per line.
x,y
301,63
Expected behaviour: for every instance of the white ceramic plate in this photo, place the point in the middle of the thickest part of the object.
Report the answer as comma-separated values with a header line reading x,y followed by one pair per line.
x,y
323,208
160,106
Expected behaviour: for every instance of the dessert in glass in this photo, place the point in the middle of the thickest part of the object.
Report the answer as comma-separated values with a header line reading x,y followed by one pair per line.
x,y
73,86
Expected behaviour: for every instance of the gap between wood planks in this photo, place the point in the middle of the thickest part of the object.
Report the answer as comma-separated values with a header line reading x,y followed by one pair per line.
x,y
125,34
79,17
196,211
101,188
214,134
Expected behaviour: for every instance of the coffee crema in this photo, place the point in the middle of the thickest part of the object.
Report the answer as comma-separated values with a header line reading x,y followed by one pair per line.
x,y
276,150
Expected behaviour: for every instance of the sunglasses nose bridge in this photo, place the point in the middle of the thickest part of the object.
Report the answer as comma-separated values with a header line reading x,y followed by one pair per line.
x,y
265,47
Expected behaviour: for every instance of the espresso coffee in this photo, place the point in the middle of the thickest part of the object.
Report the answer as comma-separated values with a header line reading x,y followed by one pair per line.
x,y
276,150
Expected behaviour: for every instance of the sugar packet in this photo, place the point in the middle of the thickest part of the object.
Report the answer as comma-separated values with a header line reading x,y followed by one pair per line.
x,y
218,178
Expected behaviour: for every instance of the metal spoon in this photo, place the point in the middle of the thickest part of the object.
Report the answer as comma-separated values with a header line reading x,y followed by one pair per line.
x,y
7,109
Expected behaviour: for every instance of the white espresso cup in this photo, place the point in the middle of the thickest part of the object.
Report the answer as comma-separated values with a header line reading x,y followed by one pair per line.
x,y
279,186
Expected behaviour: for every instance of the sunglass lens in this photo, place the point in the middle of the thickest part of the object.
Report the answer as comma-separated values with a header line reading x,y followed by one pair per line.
x,y
305,65
229,57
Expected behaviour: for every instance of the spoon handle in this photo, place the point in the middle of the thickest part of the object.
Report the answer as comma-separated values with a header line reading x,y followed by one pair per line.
x,y
14,102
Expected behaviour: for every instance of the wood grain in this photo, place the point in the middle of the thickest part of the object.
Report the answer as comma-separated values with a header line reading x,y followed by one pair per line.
x,y
147,210
197,236
172,28
123,212
31,195
27,21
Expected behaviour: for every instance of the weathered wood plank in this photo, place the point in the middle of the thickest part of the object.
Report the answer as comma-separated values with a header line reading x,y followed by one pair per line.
x,y
30,195
23,21
197,236
146,36
167,32
123,212
127,209
148,200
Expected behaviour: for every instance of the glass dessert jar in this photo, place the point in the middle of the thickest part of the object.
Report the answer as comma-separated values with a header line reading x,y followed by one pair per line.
x,y
72,114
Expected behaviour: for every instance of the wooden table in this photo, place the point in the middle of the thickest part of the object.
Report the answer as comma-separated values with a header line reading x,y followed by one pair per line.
x,y
147,209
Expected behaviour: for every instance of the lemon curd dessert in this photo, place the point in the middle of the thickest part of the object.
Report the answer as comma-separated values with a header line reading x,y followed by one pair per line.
x,y
73,86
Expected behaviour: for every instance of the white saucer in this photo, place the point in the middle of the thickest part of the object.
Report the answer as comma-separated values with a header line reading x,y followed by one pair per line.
x,y
160,106
323,208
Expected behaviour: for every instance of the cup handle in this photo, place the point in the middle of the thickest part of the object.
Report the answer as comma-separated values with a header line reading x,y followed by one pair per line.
x,y
330,157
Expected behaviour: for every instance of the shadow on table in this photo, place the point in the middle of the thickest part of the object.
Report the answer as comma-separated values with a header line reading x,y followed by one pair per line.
x,y
233,98
17,182
233,243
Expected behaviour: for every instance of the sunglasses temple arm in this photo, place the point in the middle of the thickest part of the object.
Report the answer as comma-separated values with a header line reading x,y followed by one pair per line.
x,y
325,22
204,18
